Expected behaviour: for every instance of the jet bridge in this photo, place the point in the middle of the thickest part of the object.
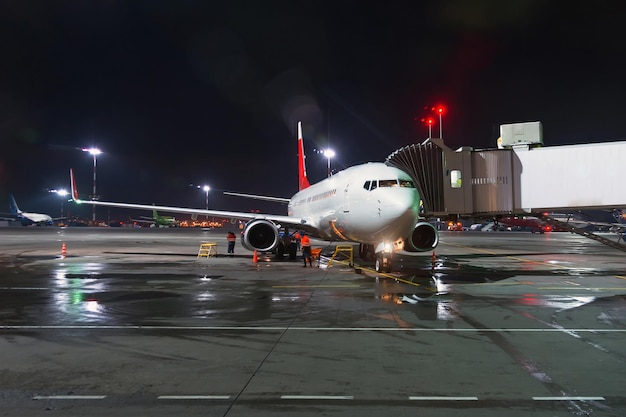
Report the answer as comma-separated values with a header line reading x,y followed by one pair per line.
x,y
520,177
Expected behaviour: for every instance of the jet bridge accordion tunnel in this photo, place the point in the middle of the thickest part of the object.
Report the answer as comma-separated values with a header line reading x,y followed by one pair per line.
x,y
424,163
461,182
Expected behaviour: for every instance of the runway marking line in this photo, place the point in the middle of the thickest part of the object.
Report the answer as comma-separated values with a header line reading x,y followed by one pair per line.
x,y
69,397
325,329
435,398
309,397
193,397
569,398
316,397
582,288
318,286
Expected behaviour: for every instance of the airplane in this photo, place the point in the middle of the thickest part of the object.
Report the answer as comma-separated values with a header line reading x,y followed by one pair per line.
x,y
372,204
157,220
26,218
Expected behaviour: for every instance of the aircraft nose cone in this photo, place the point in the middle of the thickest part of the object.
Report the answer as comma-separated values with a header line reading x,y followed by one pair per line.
x,y
403,209
403,204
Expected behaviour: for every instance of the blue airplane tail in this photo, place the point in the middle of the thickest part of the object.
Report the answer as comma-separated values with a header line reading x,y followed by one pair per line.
x,y
13,208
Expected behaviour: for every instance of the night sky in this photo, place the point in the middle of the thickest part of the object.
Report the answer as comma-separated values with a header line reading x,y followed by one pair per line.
x,y
193,92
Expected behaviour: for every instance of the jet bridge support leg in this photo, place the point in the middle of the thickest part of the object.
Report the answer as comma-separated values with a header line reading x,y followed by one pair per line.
x,y
582,232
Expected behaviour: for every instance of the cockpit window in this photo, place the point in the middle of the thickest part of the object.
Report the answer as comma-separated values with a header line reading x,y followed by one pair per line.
x,y
373,184
388,183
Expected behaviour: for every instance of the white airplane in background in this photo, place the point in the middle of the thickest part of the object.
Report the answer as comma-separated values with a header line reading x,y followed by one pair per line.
x,y
372,204
26,218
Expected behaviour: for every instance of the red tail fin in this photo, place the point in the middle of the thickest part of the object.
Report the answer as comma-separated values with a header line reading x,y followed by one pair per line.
x,y
73,184
303,181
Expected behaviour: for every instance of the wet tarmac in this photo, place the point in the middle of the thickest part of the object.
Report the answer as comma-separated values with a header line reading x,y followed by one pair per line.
x,y
131,322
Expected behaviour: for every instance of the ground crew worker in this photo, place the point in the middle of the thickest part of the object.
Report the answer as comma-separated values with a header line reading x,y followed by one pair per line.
x,y
297,237
231,243
306,249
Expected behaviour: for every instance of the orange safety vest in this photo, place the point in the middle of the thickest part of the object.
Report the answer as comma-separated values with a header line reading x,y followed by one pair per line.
x,y
231,237
305,241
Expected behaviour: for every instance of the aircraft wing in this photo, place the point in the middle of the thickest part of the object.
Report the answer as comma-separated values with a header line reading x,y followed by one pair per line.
x,y
259,197
283,220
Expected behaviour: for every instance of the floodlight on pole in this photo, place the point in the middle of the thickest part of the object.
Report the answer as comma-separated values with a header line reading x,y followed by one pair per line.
x,y
206,189
62,193
94,152
329,153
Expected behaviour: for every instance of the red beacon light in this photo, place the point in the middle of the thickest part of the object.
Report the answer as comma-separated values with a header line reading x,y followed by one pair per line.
x,y
440,110
429,121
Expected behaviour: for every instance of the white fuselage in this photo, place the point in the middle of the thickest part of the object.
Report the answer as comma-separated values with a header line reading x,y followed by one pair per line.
x,y
366,203
36,217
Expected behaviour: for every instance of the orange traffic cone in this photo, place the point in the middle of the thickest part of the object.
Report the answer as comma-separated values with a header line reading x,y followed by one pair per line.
x,y
63,250
255,259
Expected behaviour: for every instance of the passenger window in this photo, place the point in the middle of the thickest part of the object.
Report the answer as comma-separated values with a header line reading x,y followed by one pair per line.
x,y
367,185
455,178
388,183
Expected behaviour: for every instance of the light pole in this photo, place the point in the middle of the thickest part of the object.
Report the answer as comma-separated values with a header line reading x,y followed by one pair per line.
x,y
430,121
329,153
95,152
440,111
206,189
62,193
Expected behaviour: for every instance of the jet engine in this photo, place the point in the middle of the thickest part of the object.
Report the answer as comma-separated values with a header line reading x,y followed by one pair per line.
x,y
261,235
423,238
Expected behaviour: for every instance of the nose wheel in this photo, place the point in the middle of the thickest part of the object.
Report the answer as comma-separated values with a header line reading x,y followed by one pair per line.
x,y
383,263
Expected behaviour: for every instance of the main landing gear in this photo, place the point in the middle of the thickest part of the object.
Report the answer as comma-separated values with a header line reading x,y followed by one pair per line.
x,y
382,260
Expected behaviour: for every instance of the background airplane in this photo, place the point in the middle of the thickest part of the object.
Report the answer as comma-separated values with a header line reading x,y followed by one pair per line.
x,y
373,204
27,218
157,220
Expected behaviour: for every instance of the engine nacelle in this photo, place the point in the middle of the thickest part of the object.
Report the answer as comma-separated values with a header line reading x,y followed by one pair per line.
x,y
261,235
423,238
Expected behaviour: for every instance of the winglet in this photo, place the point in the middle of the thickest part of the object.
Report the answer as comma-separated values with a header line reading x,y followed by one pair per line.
x,y
303,181
73,185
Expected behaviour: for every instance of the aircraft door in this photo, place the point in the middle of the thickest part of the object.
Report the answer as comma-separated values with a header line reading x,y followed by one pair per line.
x,y
346,199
